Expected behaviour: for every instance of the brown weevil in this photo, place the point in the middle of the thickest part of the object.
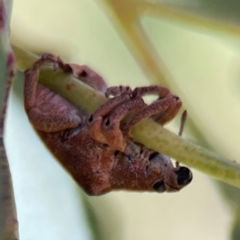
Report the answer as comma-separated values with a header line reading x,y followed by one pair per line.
x,y
97,149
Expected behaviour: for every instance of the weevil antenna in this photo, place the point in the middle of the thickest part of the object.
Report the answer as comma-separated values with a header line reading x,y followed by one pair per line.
x,y
183,121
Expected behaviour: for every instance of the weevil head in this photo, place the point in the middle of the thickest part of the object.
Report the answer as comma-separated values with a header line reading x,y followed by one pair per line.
x,y
172,178
183,178
152,172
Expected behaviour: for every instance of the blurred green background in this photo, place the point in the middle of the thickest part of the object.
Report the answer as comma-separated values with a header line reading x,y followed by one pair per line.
x,y
204,64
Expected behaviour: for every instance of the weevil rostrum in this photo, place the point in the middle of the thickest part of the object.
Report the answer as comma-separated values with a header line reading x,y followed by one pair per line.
x,y
97,149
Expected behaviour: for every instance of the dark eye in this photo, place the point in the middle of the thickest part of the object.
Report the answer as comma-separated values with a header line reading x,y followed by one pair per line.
x,y
153,155
159,186
90,119
184,176
83,74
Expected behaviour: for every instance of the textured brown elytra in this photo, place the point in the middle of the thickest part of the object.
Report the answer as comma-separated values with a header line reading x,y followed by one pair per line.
x,y
97,149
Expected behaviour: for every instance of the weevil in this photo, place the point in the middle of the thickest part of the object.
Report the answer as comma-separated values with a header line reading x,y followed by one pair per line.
x,y
97,149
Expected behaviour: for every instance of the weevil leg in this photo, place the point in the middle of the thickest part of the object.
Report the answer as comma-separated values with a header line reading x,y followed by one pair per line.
x,y
165,116
81,72
161,110
30,83
48,111
105,124
111,128
88,76
161,115
162,92
117,91
95,121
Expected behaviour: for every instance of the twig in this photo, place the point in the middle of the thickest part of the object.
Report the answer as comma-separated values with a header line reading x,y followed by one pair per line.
x,y
8,216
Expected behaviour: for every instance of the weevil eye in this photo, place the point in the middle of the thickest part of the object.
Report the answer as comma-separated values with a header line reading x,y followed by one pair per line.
x,y
184,176
159,186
